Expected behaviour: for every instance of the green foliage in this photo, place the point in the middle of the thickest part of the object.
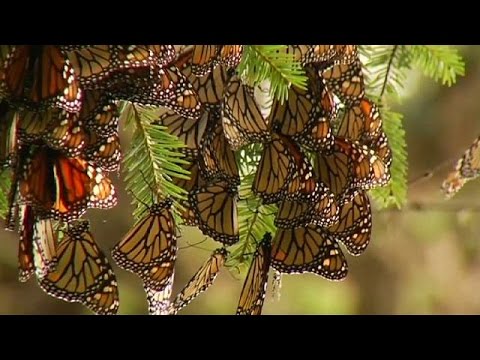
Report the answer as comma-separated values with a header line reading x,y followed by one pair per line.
x,y
386,68
273,63
441,63
5,179
396,191
152,159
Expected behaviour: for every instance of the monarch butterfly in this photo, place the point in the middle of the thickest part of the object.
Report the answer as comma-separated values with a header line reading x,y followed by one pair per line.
x,y
195,179
60,187
91,63
201,281
217,158
355,223
41,76
159,300
26,262
255,285
190,131
59,129
308,249
345,81
100,113
303,185
149,248
207,57
83,273
209,87
243,122
360,120
166,87
8,134
131,56
45,247
105,153
274,171
308,54
466,169
303,117
294,213
350,166
213,208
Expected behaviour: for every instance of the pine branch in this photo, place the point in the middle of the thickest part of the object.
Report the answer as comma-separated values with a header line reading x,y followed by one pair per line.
x,y
152,160
395,193
440,62
272,62
252,227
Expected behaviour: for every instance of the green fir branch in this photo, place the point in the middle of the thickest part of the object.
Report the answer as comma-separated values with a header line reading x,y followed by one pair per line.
x,y
152,160
395,193
273,63
442,63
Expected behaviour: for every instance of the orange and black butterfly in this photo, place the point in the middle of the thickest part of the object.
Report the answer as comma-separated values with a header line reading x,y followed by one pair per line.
x,y
352,165
255,285
354,227
206,57
99,113
243,122
213,208
201,281
466,169
210,87
59,129
37,245
275,170
308,249
104,152
307,114
218,161
361,120
149,249
60,187
189,131
345,81
82,273
40,75
8,134
320,54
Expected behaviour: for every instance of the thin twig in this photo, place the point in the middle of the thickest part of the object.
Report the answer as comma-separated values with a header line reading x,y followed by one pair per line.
x,y
389,66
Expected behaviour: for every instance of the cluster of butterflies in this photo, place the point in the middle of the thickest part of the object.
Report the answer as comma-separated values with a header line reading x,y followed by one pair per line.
x,y
59,134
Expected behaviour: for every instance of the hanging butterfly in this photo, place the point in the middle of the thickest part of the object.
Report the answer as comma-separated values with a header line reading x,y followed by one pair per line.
x,y
303,117
40,76
8,135
61,187
207,57
217,159
355,223
83,273
255,285
466,169
243,122
105,153
210,87
361,120
345,81
45,247
308,249
99,113
213,208
59,129
149,249
26,262
201,281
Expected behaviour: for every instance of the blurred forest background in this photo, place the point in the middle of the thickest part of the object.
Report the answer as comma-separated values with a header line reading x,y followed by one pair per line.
x,y
423,259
